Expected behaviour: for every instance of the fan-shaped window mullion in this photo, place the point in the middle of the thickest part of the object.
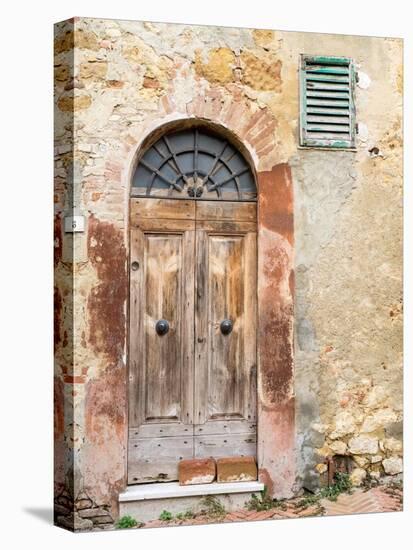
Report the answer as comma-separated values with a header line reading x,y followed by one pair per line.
x,y
171,164
217,159
236,181
166,141
157,172
195,153
232,176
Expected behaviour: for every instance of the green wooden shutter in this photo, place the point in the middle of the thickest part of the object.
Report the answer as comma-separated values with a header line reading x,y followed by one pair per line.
x,y
327,114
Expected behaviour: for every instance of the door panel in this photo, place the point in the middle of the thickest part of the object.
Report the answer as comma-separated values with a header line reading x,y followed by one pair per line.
x,y
226,226
233,211
225,365
219,446
161,366
156,459
162,209
224,427
163,255
224,301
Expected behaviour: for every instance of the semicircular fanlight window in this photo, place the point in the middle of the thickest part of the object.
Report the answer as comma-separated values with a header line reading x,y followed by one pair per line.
x,y
194,164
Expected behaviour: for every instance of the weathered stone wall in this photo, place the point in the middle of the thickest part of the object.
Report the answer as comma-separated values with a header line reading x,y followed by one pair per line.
x,y
123,80
348,227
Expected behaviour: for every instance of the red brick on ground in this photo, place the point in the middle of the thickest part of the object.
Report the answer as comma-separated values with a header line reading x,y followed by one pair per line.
x,y
263,514
388,499
238,515
286,513
236,468
198,470
378,499
308,512
363,502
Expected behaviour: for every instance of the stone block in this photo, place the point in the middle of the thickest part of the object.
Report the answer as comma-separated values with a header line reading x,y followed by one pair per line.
x,y
363,445
393,445
83,503
236,468
345,424
358,476
92,513
378,420
338,447
395,429
60,510
198,470
321,468
74,523
393,465
361,461
102,520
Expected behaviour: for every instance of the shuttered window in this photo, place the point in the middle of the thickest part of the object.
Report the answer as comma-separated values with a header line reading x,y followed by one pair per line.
x,y
327,117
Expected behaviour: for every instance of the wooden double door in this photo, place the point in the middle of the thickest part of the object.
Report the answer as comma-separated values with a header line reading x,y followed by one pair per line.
x,y
192,351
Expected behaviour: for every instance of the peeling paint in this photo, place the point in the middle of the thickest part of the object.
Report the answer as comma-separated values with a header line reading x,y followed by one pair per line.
x,y
218,68
57,317
261,74
276,425
107,321
104,453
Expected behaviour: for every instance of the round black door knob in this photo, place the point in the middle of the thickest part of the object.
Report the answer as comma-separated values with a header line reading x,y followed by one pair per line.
x,y
226,326
162,327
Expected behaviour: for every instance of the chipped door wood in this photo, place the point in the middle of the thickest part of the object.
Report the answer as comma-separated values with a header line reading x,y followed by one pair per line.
x,y
219,446
156,458
225,365
161,367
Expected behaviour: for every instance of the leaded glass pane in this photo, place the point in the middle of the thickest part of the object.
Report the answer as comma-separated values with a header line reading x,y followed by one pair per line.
x,y
194,163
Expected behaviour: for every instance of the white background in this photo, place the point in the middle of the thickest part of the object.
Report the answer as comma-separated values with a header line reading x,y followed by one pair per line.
x,y
26,34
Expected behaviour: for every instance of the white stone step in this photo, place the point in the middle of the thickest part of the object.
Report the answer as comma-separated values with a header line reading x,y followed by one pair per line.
x,y
146,502
172,489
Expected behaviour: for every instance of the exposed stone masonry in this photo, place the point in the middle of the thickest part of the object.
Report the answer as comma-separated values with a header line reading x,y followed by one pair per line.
x,y
83,514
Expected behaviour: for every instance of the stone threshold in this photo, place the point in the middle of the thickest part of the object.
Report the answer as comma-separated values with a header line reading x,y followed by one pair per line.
x,y
172,489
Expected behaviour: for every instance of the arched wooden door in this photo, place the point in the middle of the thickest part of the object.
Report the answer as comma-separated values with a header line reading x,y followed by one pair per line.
x,y
192,352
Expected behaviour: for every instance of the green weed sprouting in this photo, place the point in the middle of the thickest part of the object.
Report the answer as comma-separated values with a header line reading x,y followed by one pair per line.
x,y
126,522
213,506
263,502
165,516
342,484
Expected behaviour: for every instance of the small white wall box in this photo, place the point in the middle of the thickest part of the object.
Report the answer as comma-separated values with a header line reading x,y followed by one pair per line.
x,y
74,224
